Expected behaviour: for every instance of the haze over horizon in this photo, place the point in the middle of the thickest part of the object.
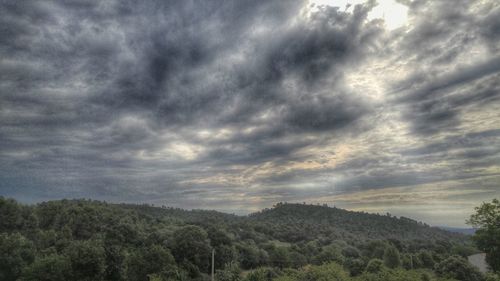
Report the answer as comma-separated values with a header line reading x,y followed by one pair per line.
x,y
236,105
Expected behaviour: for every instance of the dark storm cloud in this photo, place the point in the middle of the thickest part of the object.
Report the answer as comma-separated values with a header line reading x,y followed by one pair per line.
x,y
88,87
454,79
467,141
196,102
442,87
440,99
437,107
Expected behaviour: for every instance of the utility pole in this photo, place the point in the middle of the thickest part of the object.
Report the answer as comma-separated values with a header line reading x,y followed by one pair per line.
x,y
213,262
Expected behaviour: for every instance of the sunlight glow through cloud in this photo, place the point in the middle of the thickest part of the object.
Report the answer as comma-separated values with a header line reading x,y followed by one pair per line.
x,y
394,14
237,105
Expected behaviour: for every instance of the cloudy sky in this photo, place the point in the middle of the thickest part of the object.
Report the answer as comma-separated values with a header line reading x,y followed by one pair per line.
x,y
236,105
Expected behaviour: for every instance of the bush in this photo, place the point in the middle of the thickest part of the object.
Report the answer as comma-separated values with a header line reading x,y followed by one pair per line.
x,y
492,277
262,274
487,219
426,277
425,258
391,257
354,266
231,272
374,266
329,254
458,268
151,260
15,253
325,272
51,268
87,260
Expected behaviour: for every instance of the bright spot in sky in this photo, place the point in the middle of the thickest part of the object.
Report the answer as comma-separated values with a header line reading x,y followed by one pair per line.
x,y
394,14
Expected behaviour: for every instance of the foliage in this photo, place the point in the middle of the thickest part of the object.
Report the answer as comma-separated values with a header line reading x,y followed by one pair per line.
x,y
231,272
262,274
425,259
91,240
354,266
330,253
492,277
458,268
391,257
325,272
487,237
50,268
375,266
153,260
86,259
16,252
191,246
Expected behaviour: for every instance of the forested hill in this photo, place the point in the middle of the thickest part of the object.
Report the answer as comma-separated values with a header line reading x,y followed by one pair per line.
x,y
290,222
296,222
195,216
92,240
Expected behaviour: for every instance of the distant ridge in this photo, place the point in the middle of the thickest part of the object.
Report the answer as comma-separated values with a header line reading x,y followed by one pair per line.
x,y
466,231
293,222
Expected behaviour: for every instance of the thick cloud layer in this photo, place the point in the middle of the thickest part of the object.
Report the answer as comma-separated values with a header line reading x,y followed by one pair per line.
x,y
237,105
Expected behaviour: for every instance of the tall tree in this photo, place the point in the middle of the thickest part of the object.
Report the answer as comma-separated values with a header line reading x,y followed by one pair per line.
x,y
458,268
391,257
192,247
15,253
87,260
487,237
50,268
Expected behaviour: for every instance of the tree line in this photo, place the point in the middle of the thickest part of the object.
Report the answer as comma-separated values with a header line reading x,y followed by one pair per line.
x,y
93,240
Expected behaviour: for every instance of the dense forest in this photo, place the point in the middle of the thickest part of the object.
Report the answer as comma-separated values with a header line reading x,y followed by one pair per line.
x,y
92,240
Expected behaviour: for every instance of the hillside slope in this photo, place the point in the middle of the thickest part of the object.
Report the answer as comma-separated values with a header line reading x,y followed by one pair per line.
x,y
297,222
75,239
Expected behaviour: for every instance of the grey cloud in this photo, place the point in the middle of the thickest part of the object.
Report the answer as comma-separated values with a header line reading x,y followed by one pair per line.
x,y
89,86
324,113
442,88
454,79
159,100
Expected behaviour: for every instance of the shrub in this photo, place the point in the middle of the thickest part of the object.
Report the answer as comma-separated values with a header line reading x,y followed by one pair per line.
x,y
391,257
374,266
458,268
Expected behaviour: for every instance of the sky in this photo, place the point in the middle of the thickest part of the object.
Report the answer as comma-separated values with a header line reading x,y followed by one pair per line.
x,y
236,105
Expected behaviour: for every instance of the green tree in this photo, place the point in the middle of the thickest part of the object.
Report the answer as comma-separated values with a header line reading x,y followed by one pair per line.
x,y
191,246
153,260
115,257
354,266
391,257
250,256
224,254
351,252
16,252
426,277
330,253
278,256
50,268
374,266
261,274
87,260
487,237
231,272
492,277
297,259
425,259
10,215
375,249
326,272
409,261
458,268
